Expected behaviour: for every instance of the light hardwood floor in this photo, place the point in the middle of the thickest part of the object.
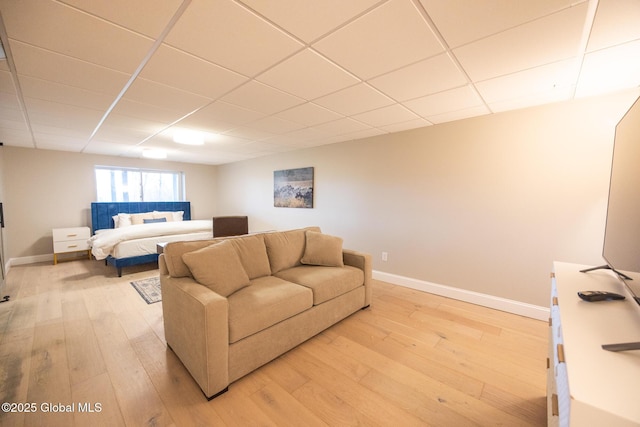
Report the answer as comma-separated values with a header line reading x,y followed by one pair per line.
x,y
76,337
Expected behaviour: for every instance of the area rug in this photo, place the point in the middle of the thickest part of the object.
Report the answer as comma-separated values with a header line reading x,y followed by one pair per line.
x,y
149,289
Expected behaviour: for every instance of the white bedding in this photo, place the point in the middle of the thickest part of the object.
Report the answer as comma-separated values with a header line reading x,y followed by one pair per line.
x,y
104,242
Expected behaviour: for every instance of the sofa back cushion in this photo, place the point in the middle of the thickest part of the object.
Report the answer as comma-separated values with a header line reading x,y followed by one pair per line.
x,y
217,267
253,255
286,248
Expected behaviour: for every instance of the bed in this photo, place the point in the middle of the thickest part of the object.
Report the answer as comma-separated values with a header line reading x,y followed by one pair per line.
x,y
127,233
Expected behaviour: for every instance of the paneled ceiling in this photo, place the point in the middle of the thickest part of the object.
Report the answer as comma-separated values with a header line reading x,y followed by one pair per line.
x,y
259,77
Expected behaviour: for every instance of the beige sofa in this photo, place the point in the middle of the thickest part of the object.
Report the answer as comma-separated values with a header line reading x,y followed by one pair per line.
x,y
230,305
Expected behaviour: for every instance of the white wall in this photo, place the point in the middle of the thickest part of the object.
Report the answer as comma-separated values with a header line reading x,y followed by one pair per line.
x,y
3,245
49,189
484,205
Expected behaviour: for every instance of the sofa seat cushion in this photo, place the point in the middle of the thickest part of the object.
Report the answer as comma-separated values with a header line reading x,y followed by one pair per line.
x,y
325,282
267,301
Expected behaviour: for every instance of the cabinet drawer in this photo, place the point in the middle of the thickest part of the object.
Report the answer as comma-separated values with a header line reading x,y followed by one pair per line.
x,y
73,233
70,246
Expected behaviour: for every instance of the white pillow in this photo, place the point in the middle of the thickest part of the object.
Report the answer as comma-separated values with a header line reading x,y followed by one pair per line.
x,y
170,215
121,220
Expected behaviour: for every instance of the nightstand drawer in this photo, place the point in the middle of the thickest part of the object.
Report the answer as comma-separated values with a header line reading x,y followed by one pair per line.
x,y
71,246
73,233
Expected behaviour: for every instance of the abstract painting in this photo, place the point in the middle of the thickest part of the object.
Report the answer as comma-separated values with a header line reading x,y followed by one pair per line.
x,y
293,188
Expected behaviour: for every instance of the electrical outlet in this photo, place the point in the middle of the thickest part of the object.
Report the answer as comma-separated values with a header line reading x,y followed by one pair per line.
x,y
385,256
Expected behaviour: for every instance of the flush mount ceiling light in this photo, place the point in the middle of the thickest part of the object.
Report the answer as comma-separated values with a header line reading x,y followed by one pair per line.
x,y
188,137
154,154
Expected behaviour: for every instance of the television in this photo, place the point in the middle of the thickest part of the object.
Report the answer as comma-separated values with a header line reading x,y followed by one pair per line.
x,y
621,248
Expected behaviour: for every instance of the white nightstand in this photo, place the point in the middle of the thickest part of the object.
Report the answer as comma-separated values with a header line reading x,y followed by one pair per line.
x,y
68,240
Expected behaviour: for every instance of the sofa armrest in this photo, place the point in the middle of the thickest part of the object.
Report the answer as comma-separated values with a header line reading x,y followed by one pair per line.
x,y
196,328
364,262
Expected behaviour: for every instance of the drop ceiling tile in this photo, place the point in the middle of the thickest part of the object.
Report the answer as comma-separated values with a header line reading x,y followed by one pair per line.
x,y
267,147
212,141
107,146
79,136
422,78
148,92
411,124
225,33
63,116
558,94
138,110
56,141
275,125
299,138
127,130
62,29
262,98
10,112
309,19
184,71
548,79
350,136
63,94
465,113
464,21
17,137
360,45
341,126
445,102
386,116
550,39
35,62
610,69
616,22
149,17
220,117
307,75
6,83
309,114
355,99
250,134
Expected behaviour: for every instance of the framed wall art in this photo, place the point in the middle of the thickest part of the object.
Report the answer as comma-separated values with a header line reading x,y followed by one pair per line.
x,y
293,188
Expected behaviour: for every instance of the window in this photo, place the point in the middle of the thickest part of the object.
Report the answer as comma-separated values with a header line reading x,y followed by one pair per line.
x,y
138,185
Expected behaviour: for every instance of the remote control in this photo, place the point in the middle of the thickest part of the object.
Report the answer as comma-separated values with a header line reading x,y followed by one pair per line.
x,y
592,296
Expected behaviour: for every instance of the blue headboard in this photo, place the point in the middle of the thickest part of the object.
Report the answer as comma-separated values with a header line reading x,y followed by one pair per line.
x,y
102,212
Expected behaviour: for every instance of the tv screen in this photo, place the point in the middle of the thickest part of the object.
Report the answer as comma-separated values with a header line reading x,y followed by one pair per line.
x,y
621,249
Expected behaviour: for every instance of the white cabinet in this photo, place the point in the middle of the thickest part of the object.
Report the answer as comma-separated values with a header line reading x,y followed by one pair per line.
x,y
67,240
589,386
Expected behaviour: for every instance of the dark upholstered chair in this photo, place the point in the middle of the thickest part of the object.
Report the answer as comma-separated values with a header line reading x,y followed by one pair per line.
x,y
230,226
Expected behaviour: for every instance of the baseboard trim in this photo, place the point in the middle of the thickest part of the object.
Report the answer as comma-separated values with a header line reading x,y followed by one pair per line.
x,y
29,260
490,301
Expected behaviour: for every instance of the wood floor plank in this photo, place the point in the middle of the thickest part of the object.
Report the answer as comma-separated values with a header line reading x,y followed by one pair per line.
x,y
49,385
76,333
96,403
283,408
367,402
138,399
